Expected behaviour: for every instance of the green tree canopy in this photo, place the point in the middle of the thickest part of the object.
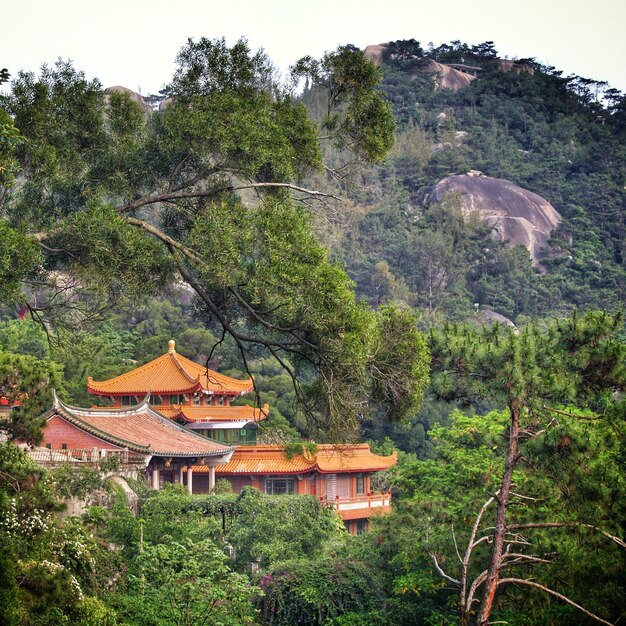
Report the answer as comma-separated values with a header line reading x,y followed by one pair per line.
x,y
115,203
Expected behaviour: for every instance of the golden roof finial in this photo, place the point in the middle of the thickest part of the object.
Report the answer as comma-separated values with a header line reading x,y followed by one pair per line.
x,y
171,346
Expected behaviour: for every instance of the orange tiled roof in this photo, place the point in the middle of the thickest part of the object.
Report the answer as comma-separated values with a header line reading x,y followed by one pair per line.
x,y
215,413
332,459
265,460
335,459
170,373
140,428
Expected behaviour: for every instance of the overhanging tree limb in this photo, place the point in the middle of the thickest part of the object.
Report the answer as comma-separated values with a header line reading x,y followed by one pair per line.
x,y
171,196
556,594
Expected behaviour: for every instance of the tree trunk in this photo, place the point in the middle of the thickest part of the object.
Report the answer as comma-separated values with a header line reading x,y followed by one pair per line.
x,y
495,564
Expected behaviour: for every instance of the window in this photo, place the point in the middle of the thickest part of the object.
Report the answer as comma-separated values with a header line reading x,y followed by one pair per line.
x,y
226,435
196,400
247,436
220,401
360,484
156,400
63,446
279,486
361,526
128,400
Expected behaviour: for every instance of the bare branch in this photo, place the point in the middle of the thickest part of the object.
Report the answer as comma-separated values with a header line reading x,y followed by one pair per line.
x,y
556,594
478,581
519,557
441,572
456,546
522,497
471,544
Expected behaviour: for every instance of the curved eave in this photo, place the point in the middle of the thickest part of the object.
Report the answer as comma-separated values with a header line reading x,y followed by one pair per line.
x,y
96,432
353,470
65,411
193,455
139,392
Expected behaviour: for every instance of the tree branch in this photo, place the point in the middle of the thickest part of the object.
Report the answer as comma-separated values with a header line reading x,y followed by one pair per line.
x,y
171,196
165,238
478,581
441,572
471,544
613,538
556,594
589,418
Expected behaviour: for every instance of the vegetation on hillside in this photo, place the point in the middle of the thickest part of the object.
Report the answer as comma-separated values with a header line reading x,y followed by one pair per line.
x,y
560,137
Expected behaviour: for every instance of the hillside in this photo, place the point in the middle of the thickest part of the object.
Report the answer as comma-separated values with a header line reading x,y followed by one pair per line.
x,y
558,138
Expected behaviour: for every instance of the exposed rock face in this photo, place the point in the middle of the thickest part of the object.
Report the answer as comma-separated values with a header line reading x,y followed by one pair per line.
x,y
134,96
452,76
489,317
447,77
165,103
375,53
508,65
516,215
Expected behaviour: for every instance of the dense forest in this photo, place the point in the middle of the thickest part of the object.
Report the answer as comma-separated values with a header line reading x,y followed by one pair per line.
x,y
290,232
560,137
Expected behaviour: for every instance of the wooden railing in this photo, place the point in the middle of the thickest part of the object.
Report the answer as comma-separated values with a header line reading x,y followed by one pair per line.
x,y
100,457
370,501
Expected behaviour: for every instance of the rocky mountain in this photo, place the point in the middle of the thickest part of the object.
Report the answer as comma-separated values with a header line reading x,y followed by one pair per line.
x,y
538,156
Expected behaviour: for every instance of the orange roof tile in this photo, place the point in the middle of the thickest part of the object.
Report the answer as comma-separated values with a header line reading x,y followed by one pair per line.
x,y
170,373
265,460
215,413
333,459
141,429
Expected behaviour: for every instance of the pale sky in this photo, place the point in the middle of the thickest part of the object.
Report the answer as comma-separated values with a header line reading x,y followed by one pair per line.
x,y
134,42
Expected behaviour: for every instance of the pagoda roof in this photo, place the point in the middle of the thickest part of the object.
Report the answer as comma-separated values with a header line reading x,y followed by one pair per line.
x,y
196,414
140,429
327,459
170,373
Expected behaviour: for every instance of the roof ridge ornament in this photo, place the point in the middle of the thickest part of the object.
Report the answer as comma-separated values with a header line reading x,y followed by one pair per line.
x,y
171,346
145,403
56,403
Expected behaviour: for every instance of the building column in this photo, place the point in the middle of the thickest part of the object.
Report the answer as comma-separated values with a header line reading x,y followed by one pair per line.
x,y
189,479
180,475
211,478
155,478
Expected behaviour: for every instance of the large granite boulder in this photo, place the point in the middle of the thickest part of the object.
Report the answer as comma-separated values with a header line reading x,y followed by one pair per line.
x,y
516,215
134,96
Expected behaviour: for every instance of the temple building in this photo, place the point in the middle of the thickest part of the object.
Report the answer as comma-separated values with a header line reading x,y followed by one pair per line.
x,y
339,475
176,417
136,436
189,394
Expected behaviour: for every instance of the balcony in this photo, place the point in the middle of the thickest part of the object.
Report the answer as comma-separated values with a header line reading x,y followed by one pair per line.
x,y
89,457
360,507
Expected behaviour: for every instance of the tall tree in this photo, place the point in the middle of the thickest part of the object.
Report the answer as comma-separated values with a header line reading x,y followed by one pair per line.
x,y
207,190
534,374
